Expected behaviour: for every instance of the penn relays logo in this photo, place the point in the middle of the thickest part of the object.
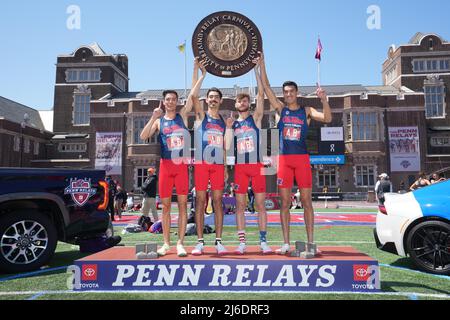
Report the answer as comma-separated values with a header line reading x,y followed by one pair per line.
x,y
80,190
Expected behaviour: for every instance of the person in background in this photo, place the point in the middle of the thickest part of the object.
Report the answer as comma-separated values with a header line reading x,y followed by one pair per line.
x,y
435,178
401,188
251,199
385,186
112,193
421,182
149,190
130,201
119,199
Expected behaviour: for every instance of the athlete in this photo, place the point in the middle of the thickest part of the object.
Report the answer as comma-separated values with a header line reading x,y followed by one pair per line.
x,y
245,133
175,140
209,162
294,159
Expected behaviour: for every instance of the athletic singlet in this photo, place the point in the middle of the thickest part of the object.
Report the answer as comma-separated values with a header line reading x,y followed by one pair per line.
x,y
246,141
293,126
173,137
210,136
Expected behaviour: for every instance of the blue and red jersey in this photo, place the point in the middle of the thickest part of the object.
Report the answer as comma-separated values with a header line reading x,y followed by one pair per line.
x,y
293,126
209,141
173,138
246,141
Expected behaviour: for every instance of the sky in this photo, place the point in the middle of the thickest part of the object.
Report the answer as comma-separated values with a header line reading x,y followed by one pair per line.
x,y
34,33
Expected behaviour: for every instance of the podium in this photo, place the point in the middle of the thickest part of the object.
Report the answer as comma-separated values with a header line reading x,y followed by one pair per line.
x,y
337,269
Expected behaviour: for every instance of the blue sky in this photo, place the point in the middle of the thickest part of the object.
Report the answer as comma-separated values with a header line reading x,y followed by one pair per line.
x,y
34,33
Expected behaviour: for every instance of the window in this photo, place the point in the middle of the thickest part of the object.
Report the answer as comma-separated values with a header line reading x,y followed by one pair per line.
x,y
138,125
120,82
365,176
440,141
327,177
36,148
26,145
434,101
430,65
364,126
83,75
81,109
72,147
142,174
16,143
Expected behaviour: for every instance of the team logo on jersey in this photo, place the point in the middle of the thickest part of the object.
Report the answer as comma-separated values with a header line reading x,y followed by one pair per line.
x,y
80,190
279,181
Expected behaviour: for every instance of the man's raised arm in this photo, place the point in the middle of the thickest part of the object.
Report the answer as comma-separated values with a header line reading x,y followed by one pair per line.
x,y
193,98
276,104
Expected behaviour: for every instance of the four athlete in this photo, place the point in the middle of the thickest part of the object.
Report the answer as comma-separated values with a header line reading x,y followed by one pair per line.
x,y
212,137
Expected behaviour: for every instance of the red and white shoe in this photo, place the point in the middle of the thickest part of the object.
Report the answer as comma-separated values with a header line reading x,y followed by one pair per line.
x,y
198,250
240,250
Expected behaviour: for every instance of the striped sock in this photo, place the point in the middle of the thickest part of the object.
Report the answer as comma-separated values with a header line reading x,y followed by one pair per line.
x,y
241,235
218,240
262,236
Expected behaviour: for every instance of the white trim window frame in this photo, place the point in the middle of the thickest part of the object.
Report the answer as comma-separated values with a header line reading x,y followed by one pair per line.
x,y
26,145
83,75
138,125
435,105
328,174
364,126
36,148
365,175
430,65
140,174
120,82
16,143
81,107
72,147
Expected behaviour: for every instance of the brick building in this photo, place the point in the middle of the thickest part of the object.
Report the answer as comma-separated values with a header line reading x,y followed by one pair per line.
x,y
92,96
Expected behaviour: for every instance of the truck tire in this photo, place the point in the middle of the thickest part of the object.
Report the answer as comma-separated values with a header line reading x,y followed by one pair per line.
x,y
27,241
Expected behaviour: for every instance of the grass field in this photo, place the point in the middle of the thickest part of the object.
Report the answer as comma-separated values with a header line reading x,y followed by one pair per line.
x,y
399,279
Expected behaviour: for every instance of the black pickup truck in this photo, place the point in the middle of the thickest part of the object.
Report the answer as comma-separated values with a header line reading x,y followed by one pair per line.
x,y
38,207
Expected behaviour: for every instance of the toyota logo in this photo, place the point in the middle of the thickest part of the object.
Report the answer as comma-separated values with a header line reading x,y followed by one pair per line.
x,y
89,272
361,272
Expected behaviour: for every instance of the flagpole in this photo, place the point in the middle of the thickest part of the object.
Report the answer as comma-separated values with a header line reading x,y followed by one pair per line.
x,y
318,73
185,71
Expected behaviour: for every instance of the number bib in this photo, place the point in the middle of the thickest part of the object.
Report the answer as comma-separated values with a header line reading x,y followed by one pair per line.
x,y
245,145
292,133
215,140
175,142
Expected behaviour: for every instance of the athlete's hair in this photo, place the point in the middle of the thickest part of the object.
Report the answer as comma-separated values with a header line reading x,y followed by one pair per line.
x,y
243,95
166,92
290,84
214,89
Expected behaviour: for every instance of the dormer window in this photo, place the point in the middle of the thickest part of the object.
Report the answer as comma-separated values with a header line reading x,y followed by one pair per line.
x,y
83,75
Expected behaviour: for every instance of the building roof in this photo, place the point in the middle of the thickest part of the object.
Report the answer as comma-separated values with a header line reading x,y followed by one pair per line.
x,y
15,112
417,38
332,90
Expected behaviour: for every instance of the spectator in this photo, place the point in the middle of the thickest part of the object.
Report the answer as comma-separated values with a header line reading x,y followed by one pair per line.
x,y
421,182
112,193
149,190
130,201
436,178
402,189
119,199
385,186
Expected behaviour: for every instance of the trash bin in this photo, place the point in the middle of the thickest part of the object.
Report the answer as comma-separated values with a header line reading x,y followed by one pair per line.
x,y
371,196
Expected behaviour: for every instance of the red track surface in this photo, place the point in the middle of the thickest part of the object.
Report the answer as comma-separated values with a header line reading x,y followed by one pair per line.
x,y
129,253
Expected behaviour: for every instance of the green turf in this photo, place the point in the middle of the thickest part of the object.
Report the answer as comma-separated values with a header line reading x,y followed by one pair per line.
x,y
392,280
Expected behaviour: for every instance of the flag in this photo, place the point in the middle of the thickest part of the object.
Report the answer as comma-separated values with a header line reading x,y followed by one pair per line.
x,y
182,47
319,50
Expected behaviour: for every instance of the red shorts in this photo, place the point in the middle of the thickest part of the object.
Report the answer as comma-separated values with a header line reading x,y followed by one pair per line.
x,y
294,165
170,175
244,172
204,173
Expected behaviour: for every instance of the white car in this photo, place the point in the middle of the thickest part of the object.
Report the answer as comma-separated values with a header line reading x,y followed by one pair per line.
x,y
417,224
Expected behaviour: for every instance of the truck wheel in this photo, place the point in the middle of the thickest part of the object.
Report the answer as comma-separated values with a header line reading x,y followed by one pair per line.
x,y
27,241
